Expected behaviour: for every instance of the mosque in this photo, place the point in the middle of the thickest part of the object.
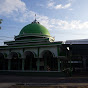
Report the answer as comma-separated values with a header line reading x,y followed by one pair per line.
x,y
35,53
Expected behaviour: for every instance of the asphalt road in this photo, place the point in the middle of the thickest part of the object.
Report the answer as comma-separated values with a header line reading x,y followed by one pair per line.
x,y
8,81
27,79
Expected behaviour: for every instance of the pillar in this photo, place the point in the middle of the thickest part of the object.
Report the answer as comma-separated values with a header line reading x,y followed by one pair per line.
x,y
30,63
70,67
38,64
45,64
84,63
58,64
23,64
9,64
38,61
18,63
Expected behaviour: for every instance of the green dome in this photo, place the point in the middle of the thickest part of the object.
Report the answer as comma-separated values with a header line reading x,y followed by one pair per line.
x,y
34,28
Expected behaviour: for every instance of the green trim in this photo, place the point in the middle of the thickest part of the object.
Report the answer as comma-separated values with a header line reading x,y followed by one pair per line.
x,y
32,35
32,45
27,41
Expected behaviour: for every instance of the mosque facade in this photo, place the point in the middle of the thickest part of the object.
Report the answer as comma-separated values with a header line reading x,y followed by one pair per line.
x,y
35,53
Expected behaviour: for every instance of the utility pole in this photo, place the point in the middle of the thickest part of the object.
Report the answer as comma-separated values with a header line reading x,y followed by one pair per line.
x,y
0,22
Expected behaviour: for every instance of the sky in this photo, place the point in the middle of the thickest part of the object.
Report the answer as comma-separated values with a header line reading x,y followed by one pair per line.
x,y
65,19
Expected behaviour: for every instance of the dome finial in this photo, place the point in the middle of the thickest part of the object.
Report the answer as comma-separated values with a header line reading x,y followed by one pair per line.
x,y
35,21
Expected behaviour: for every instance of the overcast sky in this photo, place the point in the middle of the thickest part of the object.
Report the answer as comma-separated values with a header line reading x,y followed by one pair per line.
x,y
65,19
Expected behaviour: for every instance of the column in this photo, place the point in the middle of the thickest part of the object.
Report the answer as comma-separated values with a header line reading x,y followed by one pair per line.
x,y
84,63
18,63
70,67
38,64
58,64
3,64
38,61
9,64
45,64
30,63
23,64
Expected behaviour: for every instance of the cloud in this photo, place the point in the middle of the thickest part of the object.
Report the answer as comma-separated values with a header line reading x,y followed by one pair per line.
x,y
70,9
27,16
57,24
15,9
52,4
60,6
62,24
67,5
22,14
9,6
71,25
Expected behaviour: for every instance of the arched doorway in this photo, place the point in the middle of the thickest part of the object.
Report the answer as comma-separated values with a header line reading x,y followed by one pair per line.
x,y
30,61
15,61
50,63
